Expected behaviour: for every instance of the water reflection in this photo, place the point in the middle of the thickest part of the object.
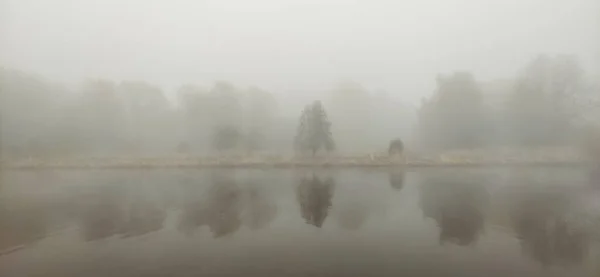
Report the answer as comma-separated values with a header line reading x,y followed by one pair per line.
x,y
547,229
225,206
20,224
110,210
259,208
220,208
353,215
142,217
102,213
396,177
456,205
594,177
314,196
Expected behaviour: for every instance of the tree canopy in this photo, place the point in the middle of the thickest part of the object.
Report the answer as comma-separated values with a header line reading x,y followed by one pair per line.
x,y
314,130
550,102
453,116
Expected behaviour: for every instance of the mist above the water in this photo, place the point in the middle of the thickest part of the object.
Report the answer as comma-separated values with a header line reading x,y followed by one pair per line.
x,y
156,77
292,47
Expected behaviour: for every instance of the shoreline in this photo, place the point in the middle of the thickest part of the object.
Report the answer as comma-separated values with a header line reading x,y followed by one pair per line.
x,y
198,163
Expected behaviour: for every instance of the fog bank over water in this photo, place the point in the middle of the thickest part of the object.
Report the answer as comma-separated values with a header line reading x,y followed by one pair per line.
x,y
293,47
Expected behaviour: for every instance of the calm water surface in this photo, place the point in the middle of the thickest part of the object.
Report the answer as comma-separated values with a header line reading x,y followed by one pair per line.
x,y
425,222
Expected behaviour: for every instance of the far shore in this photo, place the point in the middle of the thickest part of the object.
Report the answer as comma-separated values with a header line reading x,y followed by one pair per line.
x,y
449,159
89,166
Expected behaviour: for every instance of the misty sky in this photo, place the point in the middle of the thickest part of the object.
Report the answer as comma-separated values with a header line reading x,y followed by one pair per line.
x,y
293,46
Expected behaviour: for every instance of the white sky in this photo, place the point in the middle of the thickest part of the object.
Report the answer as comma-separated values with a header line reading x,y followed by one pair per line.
x,y
293,46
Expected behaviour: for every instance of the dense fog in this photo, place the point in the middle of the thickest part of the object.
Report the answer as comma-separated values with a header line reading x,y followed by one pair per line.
x,y
151,78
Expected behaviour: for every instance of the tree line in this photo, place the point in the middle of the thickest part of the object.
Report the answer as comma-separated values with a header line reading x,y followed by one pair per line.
x,y
104,117
548,103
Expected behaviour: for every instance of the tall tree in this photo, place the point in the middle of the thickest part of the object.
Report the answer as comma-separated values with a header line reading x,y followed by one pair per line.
x,y
226,137
314,130
147,114
541,106
103,114
453,117
23,132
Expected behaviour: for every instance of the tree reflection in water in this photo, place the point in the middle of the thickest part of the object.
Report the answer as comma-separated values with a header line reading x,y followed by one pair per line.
x,y
457,207
397,178
219,208
225,206
314,197
102,213
142,217
545,226
108,212
259,209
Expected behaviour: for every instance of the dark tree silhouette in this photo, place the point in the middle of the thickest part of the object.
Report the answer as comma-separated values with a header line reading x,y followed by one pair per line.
x,y
396,147
314,197
314,130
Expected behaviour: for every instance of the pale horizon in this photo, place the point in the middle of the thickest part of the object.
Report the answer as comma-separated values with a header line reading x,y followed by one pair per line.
x,y
294,47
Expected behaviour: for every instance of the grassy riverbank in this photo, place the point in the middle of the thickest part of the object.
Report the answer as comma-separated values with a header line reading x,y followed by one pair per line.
x,y
482,157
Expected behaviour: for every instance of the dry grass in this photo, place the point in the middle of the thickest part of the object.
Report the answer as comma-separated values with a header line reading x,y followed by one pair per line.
x,y
475,157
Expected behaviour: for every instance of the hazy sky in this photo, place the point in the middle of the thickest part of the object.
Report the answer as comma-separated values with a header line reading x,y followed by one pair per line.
x,y
291,46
